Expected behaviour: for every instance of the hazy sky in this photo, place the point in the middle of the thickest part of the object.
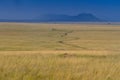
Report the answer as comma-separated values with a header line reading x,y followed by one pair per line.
x,y
106,9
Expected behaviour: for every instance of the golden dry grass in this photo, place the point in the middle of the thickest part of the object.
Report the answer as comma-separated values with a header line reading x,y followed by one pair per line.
x,y
59,51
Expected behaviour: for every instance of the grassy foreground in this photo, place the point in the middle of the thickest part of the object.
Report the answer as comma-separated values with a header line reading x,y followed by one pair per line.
x,y
59,52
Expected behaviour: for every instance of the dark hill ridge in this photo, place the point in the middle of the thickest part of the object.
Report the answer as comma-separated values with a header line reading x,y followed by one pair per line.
x,y
83,17
86,17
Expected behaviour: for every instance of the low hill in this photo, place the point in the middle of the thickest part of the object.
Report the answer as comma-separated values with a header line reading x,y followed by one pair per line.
x,y
83,17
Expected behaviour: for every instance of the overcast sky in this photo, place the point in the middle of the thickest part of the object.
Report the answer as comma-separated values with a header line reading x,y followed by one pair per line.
x,y
23,9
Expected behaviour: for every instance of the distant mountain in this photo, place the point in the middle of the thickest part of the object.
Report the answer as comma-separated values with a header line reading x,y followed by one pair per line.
x,y
83,17
86,17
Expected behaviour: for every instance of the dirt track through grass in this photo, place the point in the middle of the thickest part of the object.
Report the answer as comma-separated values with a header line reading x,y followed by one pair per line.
x,y
59,52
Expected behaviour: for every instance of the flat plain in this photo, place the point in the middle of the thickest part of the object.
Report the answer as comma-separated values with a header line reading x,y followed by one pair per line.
x,y
32,51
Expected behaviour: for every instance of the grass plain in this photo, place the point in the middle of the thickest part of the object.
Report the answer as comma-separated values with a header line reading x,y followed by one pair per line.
x,y
59,51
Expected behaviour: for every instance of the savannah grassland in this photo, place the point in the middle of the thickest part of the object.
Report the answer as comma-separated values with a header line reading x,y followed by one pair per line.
x,y
59,51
